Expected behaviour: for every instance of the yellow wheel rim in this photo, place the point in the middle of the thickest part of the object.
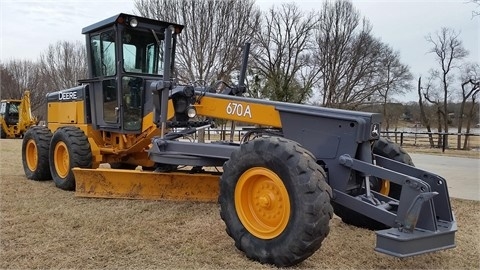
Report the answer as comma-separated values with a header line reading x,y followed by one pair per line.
x,y
262,203
31,155
384,187
61,159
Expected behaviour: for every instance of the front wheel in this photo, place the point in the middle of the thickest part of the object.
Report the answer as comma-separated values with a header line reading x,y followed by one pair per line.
x,y
275,201
69,148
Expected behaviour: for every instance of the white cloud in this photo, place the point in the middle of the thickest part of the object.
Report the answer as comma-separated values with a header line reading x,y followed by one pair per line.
x,y
28,27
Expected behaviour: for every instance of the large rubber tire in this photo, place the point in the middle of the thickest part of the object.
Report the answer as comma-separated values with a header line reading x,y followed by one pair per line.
x,y
3,134
69,148
386,148
35,149
275,201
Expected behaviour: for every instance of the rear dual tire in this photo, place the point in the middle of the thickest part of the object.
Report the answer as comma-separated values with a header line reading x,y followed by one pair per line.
x,y
3,134
46,156
69,148
35,150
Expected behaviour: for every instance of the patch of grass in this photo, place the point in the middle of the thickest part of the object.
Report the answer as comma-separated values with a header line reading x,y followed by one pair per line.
x,y
44,227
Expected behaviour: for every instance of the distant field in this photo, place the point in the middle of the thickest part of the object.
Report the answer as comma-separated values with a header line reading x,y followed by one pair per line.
x,y
44,227
412,142
422,141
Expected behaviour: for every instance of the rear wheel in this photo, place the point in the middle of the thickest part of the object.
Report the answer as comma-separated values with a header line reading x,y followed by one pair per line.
x,y
275,201
3,135
385,148
35,148
69,148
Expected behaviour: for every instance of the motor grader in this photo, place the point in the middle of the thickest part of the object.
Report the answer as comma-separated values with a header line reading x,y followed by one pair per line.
x,y
278,187
16,116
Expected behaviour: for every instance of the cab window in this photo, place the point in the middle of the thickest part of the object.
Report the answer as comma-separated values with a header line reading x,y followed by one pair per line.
x,y
142,52
3,108
103,54
132,98
13,109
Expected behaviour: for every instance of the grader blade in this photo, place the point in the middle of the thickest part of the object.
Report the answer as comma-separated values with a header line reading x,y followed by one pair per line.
x,y
131,184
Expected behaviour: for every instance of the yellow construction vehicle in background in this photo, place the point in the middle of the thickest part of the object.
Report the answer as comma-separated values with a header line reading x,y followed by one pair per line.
x,y
277,187
16,116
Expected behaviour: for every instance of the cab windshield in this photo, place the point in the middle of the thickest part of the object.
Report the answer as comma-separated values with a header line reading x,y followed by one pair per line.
x,y
142,52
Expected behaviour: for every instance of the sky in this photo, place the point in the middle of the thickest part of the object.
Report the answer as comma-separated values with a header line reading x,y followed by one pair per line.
x,y
27,27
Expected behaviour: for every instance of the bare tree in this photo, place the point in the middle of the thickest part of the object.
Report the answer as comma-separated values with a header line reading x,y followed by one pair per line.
x,y
59,67
20,75
448,50
396,79
423,115
433,96
391,116
472,114
348,56
9,88
283,58
477,11
470,87
63,64
209,47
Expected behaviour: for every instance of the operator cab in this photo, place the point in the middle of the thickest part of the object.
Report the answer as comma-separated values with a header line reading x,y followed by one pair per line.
x,y
125,54
9,111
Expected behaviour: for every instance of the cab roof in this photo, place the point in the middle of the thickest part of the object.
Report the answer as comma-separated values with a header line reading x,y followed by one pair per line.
x,y
124,18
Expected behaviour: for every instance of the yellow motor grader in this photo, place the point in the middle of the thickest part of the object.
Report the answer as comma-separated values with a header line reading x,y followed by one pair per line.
x,y
278,186
16,116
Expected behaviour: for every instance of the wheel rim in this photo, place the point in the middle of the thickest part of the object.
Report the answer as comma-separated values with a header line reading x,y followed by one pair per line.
x,y
62,159
262,203
31,155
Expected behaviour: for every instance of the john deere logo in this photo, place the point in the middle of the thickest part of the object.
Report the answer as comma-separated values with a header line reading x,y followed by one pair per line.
x,y
67,95
375,130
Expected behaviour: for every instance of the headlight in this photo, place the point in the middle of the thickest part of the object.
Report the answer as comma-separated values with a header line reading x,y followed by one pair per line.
x,y
133,22
191,112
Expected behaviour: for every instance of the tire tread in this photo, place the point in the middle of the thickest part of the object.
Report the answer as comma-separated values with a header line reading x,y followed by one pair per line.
x,y
41,136
79,150
303,236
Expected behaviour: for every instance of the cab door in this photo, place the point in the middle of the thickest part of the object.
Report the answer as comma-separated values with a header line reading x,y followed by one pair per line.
x,y
106,101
